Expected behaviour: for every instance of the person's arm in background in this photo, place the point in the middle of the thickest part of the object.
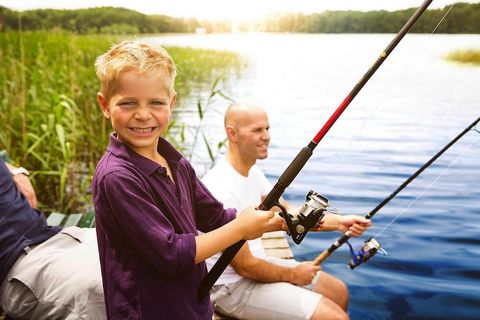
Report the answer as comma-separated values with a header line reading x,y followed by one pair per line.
x,y
23,184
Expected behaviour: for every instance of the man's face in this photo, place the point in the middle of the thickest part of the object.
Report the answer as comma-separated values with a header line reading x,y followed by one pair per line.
x,y
253,136
139,110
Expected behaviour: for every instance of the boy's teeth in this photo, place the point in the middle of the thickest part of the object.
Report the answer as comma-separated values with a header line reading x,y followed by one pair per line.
x,y
142,130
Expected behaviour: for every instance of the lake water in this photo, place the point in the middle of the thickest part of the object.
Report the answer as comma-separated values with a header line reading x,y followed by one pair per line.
x,y
413,106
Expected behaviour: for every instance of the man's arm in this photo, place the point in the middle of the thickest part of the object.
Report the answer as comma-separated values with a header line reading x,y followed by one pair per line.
x,y
251,267
24,185
354,224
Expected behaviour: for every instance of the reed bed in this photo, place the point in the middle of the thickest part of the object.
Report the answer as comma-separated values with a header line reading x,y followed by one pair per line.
x,y
49,118
465,56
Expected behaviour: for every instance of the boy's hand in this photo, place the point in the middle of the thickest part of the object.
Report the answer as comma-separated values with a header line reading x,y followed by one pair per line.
x,y
253,223
353,224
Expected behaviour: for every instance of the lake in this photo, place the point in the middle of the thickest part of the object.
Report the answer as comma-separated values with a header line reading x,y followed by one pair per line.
x,y
412,107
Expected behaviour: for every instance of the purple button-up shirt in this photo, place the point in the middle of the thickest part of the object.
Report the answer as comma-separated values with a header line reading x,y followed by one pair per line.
x,y
146,227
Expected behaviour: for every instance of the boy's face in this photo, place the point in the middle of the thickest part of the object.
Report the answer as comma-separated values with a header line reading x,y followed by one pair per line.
x,y
139,110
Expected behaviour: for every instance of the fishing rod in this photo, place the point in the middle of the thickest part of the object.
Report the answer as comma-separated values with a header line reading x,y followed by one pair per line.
x,y
371,245
272,199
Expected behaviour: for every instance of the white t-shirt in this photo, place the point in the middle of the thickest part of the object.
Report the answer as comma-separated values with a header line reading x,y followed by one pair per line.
x,y
236,191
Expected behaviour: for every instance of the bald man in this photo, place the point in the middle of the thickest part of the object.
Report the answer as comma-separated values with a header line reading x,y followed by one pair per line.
x,y
255,286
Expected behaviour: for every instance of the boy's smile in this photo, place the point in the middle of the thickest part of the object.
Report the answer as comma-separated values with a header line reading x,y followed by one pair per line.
x,y
139,110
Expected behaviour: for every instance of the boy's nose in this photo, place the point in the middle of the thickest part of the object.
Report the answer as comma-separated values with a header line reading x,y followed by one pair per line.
x,y
142,113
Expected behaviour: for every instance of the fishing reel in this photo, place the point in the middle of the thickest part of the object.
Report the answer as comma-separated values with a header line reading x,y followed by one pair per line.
x,y
367,251
309,216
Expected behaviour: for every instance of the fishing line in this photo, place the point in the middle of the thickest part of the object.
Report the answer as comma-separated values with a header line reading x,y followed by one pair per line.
x,y
466,149
444,16
378,106
367,119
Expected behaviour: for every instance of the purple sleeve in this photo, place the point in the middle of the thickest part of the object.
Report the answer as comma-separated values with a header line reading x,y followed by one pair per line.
x,y
209,211
133,213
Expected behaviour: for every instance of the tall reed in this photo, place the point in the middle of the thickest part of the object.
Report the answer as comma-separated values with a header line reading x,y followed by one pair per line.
x,y
49,118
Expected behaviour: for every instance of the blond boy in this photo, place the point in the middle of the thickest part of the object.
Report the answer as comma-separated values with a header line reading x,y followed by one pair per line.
x,y
149,202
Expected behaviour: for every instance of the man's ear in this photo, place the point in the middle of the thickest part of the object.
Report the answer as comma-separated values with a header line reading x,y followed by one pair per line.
x,y
103,105
231,134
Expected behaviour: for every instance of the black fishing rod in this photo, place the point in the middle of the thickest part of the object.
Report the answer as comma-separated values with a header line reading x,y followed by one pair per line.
x,y
325,254
298,163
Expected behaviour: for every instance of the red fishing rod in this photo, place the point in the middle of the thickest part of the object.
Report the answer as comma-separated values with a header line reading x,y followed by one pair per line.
x,y
298,163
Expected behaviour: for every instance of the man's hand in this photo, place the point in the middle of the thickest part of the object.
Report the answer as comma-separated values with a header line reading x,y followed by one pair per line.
x,y
24,186
354,225
303,274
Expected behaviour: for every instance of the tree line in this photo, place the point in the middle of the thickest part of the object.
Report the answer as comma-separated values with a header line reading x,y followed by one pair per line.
x,y
464,18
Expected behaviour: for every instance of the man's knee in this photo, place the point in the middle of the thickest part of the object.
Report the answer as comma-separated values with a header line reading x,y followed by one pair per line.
x,y
329,310
17,299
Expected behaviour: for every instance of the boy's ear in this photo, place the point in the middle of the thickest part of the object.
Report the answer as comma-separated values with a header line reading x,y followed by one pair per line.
x,y
103,105
172,103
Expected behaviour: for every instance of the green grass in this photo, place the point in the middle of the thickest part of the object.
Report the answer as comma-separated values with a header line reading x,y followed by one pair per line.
x,y
465,56
49,116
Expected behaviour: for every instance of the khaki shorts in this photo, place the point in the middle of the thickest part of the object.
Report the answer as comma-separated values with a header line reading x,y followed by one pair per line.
x,y
247,299
57,279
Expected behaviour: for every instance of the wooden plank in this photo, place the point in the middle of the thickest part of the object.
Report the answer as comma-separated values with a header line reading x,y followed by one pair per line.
x,y
72,220
55,218
89,219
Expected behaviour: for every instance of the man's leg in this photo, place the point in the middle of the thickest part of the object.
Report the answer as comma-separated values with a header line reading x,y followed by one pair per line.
x,y
64,275
17,299
252,300
329,310
332,288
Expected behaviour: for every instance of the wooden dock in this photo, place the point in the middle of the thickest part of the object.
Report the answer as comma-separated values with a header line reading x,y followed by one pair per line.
x,y
276,245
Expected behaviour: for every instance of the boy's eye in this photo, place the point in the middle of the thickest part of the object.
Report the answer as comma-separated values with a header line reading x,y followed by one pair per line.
x,y
127,103
158,103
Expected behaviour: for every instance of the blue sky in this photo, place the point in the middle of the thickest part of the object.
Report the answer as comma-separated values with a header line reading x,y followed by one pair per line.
x,y
230,9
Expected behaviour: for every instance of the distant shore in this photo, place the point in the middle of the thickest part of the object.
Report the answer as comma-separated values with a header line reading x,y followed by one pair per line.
x,y
465,56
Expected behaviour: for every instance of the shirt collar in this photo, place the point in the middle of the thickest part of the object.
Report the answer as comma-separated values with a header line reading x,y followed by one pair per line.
x,y
121,150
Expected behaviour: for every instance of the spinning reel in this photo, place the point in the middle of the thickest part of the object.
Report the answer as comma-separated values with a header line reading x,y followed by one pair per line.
x,y
308,217
367,251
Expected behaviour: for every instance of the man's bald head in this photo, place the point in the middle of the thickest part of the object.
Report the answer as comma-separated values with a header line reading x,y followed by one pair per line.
x,y
240,114
246,126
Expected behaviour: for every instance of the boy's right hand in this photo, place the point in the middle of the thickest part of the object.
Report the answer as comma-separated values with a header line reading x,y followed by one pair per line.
x,y
253,223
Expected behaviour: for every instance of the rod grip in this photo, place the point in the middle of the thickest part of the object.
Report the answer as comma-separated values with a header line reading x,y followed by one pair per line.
x,y
217,270
321,257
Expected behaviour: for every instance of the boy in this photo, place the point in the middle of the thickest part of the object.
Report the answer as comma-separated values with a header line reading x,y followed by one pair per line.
x,y
149,202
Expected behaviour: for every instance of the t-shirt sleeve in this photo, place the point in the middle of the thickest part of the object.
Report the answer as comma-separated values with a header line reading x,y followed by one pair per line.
x,y
123,201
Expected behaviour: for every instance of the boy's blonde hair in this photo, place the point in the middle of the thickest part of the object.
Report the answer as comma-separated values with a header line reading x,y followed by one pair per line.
x,y
140,56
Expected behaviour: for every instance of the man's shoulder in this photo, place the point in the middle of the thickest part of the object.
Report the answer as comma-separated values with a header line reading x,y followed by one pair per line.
x,y
217,172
